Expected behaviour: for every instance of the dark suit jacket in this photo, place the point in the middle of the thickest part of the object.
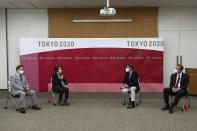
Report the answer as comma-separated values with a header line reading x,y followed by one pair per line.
x,y
56,82
133,81
184,81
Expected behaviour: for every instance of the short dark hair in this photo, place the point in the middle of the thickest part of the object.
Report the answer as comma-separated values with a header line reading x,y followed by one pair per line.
x,y
181,66
18,67
131,66
56,67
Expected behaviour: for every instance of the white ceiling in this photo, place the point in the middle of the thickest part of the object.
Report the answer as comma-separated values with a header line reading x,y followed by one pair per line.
x,y
93,3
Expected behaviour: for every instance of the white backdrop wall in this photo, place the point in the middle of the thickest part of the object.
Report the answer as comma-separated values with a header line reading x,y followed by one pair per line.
x,y
177,25
21,23
3,63
24,23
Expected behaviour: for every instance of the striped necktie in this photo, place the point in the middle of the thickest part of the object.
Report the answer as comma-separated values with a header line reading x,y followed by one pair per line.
x,y
177,83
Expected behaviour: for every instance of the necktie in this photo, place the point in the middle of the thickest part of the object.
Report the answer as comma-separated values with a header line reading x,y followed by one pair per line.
x,y
177,83
21,77
21,80
130,75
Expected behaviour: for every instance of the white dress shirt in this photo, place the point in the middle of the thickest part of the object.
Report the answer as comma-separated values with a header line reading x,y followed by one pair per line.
x,y
179,84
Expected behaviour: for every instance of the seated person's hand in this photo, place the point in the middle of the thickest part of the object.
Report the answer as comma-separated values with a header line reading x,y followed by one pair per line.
x,y
22,89
61,77
173,90
125,85
66,86
27,89
176,89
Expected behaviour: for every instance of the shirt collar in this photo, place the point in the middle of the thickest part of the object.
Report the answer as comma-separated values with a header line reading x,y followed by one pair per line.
x,y
180,74
58,74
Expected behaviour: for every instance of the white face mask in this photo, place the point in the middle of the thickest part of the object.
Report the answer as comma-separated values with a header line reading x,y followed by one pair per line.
x,y
175,71
21,72
60,71
127,70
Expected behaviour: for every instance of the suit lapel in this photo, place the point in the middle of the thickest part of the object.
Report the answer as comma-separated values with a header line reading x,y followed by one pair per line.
x,y
182,77
131,76
175,79
127,76
17,76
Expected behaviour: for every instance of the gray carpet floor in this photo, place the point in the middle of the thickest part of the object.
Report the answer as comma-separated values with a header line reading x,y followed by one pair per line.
x,y
98,112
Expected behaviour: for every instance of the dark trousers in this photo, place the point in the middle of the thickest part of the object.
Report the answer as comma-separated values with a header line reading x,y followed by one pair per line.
x,y
178,95
61,90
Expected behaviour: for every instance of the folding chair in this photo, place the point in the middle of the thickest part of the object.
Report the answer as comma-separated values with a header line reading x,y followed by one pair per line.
x,y
51,93
12,97
185,101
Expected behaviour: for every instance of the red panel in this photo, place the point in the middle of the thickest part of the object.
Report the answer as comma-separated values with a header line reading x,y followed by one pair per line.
x,y
148,63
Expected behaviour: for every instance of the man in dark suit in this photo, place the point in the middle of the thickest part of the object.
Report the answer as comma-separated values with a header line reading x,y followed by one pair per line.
x,y
60,85
130,85
178,86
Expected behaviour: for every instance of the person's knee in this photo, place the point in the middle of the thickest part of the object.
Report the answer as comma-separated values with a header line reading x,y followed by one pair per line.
x,y
32,92
65,90
179,93
165,90
133,89
22,94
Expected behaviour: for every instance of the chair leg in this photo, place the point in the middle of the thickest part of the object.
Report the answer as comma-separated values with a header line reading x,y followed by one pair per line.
x,y
189,101
184,105
55,103
28,101
49,97
123,99
137,98
140,97
17,107
6,103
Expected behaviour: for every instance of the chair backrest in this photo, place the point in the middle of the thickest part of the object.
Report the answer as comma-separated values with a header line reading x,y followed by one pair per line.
x,y
9,87
139,83
51,83
188,91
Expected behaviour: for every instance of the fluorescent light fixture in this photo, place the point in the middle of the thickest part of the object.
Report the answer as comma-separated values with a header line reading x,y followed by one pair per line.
x,y
103,21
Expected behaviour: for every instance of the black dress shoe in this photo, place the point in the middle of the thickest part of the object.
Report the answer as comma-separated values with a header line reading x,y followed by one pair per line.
x,y
166,107
35,107
22,110
61,103
131,104
66,103
171,109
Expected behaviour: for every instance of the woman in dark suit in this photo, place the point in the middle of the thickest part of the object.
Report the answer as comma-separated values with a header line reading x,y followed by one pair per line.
x,y
60,85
